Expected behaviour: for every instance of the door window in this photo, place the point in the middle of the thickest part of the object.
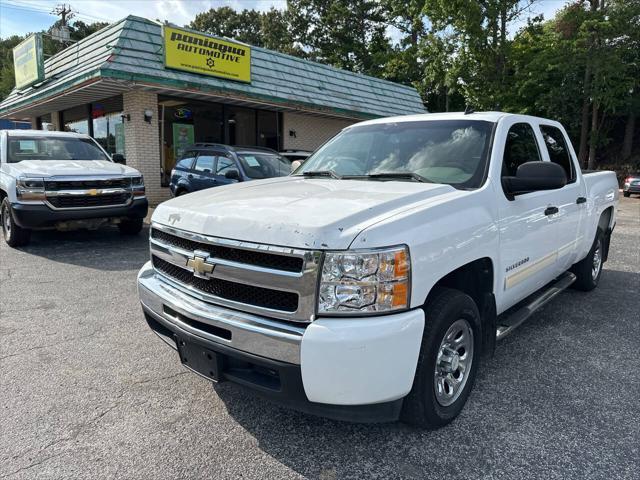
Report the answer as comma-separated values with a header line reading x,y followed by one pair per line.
x,y
187,160
204,163
521,147
224,165
558,151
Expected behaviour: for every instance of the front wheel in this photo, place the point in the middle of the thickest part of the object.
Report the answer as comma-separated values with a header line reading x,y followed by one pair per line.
x,y
626,194
448,360
14,234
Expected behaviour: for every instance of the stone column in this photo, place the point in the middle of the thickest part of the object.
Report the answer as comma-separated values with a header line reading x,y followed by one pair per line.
x,y
142,142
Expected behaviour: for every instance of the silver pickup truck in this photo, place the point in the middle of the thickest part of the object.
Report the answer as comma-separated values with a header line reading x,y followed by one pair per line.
x,y
64,181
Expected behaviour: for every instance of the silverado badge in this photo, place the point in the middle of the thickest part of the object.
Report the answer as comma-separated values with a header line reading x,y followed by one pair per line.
x,y
201,268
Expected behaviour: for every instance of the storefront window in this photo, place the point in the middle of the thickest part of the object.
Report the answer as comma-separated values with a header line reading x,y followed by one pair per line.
x,y
76,119
44,122
108,127
241,124
268,129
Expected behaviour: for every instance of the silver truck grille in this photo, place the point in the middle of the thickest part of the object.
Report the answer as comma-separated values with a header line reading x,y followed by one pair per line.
x,y
95,192
273,281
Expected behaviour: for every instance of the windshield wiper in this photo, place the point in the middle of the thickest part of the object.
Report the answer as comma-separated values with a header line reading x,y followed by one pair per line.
x,y
399,175
322,173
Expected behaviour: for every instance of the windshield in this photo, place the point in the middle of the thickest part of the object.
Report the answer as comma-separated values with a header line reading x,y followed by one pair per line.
x,y
453,152
53,148
264,165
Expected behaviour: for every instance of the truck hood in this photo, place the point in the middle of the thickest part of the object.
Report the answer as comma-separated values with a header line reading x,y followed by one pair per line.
x,y
295,212
51,168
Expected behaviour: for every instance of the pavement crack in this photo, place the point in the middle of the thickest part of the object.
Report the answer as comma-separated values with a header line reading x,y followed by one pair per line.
x,y
31,465
40,347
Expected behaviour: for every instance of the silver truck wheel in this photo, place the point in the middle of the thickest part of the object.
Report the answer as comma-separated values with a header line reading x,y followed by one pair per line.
x,y
596,264
448,360
453,363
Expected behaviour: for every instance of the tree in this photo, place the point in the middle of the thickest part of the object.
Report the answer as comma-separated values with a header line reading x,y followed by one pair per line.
x,y
346,34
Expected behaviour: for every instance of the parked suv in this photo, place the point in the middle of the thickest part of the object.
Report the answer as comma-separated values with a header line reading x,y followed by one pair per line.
x,y
207,165
64,181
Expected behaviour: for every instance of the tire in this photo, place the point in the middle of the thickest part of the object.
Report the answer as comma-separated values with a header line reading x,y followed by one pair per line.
x,y
429,404
626,194
131,226
181,192
589,270
14,234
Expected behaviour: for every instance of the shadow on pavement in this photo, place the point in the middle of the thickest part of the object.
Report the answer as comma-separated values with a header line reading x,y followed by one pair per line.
x,y
102,249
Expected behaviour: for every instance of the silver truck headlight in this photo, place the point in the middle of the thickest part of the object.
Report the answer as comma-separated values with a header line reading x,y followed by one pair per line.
x,y
28,188
137,186
363,281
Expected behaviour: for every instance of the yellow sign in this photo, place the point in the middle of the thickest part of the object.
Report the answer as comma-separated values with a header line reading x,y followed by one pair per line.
x,y
198,53
28,63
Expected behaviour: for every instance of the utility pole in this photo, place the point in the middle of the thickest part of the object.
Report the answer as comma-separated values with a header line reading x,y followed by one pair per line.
x,y
64,12
61,33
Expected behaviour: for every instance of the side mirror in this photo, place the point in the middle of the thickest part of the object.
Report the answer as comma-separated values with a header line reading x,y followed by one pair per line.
x,y
233,175
534,176
119,158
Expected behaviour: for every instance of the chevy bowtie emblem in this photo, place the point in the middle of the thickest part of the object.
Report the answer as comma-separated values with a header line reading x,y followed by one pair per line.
x,y
199,265
93,192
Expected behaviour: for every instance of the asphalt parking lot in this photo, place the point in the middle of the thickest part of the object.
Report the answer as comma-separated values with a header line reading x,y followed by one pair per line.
x,y
88,391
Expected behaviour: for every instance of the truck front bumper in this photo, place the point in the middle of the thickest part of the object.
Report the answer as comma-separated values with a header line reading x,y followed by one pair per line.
x,y
355,369
41,216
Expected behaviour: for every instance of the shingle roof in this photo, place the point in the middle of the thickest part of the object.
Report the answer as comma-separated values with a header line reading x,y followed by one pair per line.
x,y
131,50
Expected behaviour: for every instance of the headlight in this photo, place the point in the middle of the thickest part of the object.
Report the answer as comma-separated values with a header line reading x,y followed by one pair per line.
x,y
362,281
137,185
30,188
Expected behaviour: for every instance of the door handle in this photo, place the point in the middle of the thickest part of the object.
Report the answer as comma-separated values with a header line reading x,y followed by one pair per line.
x,y
551,210
580,200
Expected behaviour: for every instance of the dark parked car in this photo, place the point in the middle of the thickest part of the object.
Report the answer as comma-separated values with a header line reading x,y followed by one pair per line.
x,y
206,165
631,185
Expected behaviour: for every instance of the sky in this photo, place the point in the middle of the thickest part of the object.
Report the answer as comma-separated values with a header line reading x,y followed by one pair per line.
x,y
18,17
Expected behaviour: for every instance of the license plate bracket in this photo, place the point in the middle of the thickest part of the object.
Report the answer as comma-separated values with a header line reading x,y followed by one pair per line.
x,y
200,360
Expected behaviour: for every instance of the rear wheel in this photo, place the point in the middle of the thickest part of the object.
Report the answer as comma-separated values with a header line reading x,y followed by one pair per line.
x,y
589,269
14,234
130,226
448,360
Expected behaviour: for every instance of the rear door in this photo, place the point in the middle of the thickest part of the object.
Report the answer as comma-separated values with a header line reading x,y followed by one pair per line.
x,y
528,229
570,200
203,171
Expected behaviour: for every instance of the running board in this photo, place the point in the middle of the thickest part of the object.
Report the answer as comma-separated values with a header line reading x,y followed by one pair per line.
x,y
513,320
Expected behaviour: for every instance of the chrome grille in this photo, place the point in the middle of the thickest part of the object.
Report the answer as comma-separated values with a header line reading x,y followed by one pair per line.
x,y
273,281
92,192
251,257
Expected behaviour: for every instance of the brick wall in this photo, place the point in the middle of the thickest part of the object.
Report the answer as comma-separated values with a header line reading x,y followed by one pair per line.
x,y
310,131
142,141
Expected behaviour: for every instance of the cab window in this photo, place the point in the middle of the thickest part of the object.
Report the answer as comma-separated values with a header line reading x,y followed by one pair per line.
x,y
187,160
521,147
558,152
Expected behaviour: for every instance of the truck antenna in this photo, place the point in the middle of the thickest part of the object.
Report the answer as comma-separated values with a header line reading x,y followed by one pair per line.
x,y
468,109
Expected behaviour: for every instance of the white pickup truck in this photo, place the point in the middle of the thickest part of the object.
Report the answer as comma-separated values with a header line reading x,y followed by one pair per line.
x,y
368,285
64,181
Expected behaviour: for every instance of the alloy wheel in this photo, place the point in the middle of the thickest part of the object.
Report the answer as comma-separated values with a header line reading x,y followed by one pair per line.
x,y
453,364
